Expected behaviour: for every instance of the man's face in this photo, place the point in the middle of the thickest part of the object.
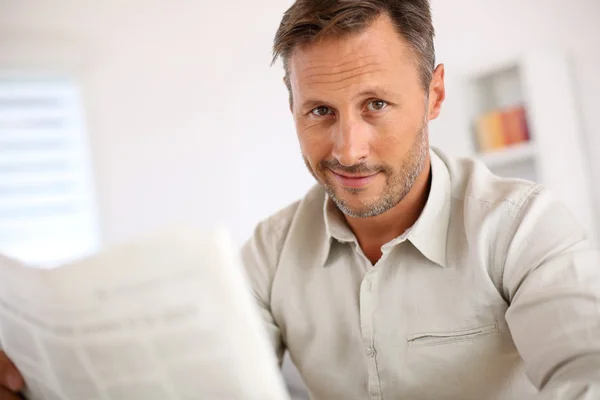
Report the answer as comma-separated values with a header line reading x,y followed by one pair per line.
x,y
361,116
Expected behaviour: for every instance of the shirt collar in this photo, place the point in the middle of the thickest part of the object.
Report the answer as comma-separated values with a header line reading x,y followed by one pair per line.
x,y
334,228
428,234
335,223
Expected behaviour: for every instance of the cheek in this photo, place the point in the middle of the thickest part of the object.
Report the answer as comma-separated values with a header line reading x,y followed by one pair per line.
x,y
395,136
315,143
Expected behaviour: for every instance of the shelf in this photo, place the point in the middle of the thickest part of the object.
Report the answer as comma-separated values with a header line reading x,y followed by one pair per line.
x,y
509,155
549,157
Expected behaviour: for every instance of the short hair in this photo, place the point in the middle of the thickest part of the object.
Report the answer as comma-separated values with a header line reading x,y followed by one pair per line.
x,y
306,21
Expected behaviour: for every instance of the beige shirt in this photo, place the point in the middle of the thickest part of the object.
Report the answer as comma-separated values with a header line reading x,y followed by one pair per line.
x,y
493,294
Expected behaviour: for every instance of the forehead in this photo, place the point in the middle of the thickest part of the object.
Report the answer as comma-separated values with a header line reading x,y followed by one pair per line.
x,y
377,56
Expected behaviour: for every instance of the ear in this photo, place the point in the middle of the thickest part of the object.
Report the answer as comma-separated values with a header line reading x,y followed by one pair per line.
x,y
437,92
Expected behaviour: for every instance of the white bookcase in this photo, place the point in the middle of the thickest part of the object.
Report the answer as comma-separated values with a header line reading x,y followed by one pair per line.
x,y
554,154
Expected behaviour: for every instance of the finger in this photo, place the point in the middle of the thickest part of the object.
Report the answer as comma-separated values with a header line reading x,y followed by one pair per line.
x,y
10,378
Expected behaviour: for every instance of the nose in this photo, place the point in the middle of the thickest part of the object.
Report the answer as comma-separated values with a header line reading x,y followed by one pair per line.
x,y
351,138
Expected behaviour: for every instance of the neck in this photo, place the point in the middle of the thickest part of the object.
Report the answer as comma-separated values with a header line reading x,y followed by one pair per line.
x,y
374,232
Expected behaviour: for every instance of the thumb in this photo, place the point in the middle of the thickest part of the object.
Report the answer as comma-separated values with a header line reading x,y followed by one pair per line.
x,y
10,377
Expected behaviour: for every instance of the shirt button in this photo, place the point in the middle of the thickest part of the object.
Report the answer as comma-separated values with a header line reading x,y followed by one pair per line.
x,y
370,352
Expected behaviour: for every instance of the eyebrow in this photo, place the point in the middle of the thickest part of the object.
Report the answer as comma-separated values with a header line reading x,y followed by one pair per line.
x,y
310,104
377,91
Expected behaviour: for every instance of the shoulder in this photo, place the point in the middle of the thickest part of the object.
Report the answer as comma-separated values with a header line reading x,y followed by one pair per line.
x,y
511,202
273,230
472,182
520,223
487,206
497,207
260,254
268,237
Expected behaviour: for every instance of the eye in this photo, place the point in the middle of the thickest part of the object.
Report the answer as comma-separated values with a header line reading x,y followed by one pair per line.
x,y
377,105
322,111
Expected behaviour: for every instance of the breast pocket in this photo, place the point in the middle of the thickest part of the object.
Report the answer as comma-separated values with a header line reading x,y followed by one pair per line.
x,y
440,338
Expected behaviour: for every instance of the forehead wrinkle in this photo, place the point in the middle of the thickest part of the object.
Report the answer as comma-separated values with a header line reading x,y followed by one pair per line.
x,y
342,72
346,78
338,66
344,87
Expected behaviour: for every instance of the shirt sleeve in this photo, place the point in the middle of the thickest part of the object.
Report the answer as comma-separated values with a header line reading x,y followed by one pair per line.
x,y
552,280
259,256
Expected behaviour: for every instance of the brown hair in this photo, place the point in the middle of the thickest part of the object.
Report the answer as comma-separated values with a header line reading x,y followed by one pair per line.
x,y
309,20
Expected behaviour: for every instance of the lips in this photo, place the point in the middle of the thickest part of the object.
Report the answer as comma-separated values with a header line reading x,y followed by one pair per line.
x,y
354,182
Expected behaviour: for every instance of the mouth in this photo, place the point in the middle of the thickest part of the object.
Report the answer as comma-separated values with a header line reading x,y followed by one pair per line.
x,y
354,181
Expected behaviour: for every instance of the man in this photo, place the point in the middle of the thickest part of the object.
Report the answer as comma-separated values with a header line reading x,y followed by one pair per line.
x,y
405,274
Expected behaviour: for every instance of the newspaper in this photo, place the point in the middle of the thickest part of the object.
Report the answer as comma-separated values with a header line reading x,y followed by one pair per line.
x,y
167,316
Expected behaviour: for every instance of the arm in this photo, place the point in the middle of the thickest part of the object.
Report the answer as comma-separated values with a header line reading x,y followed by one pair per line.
x,y
259,256
552,279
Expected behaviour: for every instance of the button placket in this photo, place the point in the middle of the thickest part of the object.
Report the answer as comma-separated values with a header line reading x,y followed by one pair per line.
x,y
367,307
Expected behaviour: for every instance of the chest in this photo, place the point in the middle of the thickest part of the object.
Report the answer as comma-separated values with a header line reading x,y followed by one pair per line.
x,y
402,296
397,326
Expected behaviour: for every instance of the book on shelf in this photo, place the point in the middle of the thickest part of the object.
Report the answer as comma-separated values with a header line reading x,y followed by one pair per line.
x,y
503,128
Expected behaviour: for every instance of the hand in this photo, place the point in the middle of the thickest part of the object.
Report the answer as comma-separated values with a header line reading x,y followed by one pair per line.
x,y
11,380
6,394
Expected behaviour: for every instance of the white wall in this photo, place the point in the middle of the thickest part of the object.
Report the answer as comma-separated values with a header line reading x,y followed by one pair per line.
x,y
187,119
475,32
189,122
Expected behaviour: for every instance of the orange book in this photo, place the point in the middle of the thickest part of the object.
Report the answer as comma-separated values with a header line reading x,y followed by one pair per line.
x,y
490,132
521,116
496,130
484,137
512,127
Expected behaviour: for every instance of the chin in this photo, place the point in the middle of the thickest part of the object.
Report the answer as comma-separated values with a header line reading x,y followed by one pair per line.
x,y
368,192
354,209
360,203
356,200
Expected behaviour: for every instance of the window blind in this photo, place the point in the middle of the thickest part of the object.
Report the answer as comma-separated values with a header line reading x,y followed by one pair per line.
x,y
47,207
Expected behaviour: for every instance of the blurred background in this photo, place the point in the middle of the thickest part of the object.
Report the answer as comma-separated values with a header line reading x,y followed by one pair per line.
x,y
117,117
